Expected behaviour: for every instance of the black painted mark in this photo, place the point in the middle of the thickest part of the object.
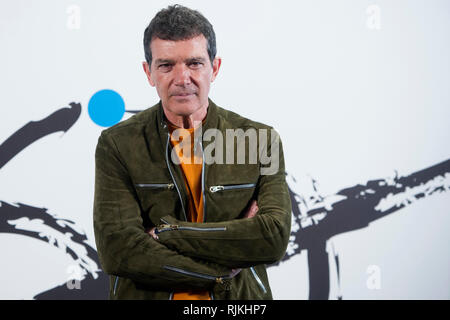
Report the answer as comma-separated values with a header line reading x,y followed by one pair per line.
x,y
317,218
37,223
60,120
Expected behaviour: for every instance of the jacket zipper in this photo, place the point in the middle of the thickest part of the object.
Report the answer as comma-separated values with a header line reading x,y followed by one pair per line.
x,y
255,275
214,189
197,275
116,281
168,186
171,175
170,227
173,227
203,182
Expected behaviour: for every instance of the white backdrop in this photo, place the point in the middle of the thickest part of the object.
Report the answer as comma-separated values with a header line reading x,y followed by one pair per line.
x,y
358,90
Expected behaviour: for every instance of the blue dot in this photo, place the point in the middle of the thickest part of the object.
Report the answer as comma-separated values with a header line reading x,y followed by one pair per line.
x,y
106,108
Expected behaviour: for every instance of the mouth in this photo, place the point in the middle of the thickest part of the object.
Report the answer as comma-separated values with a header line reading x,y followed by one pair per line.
x,y
183,94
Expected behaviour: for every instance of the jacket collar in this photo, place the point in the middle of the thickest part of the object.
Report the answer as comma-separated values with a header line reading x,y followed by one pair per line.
x,y
211,120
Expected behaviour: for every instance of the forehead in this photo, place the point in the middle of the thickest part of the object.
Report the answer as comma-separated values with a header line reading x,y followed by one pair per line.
x,y
181,49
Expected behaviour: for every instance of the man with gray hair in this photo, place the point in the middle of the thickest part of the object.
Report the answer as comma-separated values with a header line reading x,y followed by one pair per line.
x,y
173,219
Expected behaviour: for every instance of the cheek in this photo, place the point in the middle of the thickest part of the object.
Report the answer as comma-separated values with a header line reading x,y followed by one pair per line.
x,y
162,87
205,81
162,92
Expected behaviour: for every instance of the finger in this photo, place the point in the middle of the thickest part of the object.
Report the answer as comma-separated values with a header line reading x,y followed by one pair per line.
x,y
251,214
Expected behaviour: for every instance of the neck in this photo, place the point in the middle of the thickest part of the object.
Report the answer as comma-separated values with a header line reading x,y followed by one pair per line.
x,y
187,121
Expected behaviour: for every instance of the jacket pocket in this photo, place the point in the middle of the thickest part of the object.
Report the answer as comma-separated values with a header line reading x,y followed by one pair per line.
x,y
228,201
219,279
156,198
172,227
214,189
258,280
168,186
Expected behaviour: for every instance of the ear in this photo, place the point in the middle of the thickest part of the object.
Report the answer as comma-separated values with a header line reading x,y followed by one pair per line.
x,y
217,62
148,73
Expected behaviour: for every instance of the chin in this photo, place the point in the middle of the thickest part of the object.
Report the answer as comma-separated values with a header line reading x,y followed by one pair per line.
x,y
184,107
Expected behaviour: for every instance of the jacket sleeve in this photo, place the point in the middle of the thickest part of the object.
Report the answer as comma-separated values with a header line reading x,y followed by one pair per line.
x,y
123,246
239,243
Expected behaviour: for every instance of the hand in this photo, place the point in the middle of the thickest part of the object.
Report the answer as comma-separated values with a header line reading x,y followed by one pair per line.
x,y
152,233
252,210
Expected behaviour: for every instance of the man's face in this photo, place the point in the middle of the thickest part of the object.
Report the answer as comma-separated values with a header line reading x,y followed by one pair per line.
x,y
182,74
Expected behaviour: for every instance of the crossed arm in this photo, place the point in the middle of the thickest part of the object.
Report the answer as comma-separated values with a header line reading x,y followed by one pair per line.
x,y
123,246
259,239
126,250
250,213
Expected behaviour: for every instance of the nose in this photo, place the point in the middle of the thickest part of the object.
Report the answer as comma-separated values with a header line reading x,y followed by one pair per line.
x,y
182,75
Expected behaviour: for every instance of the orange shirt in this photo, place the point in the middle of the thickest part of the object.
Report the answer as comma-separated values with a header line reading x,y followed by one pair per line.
x,y
192,171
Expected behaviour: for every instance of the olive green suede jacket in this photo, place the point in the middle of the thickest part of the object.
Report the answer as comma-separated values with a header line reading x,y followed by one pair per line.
x,y
138,186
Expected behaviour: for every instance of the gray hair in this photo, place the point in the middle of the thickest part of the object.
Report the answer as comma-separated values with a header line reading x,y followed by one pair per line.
x,y
179,23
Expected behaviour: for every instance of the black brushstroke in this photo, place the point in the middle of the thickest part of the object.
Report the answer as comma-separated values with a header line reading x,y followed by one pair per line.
x,y
339,297
10,212
319,272
90,289
338,273
60,120
354,212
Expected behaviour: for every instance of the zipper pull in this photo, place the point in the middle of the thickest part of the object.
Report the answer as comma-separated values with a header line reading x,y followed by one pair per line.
x,y
216,188
226,284
170,186
166,227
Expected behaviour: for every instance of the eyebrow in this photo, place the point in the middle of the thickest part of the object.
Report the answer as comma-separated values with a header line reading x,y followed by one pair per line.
x,y
162,61
195,59
188,60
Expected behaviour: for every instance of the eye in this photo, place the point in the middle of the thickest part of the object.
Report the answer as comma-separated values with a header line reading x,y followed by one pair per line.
x,y
165,67
195,64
